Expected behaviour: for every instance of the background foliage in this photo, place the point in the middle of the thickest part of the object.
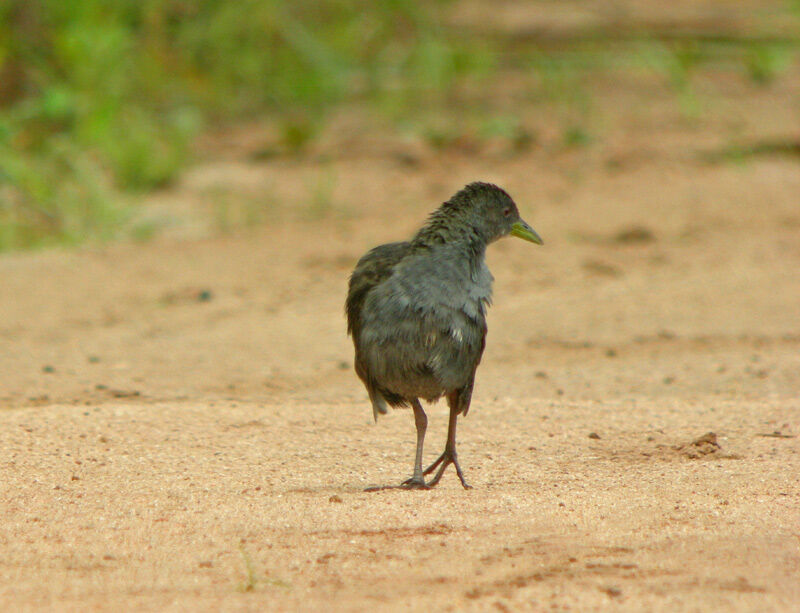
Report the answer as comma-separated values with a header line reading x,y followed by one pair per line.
x,y
102,99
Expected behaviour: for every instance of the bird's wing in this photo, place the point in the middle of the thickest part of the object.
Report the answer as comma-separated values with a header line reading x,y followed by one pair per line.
x,y
463,395
421,353
421,329
371,270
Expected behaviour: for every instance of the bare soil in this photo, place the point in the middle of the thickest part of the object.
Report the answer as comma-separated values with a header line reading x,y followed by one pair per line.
x,y
181,428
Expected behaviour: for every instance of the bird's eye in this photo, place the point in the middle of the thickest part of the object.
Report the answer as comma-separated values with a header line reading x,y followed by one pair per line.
x,y
507,211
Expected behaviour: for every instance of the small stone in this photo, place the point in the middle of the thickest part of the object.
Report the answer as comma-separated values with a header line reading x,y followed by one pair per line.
x,y
633,235
612,591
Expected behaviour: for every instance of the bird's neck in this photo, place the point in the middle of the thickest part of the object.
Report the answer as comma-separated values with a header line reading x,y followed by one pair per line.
x,y
462,240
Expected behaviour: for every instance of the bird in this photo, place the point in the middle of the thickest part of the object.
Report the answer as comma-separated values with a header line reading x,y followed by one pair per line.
x,y
416,312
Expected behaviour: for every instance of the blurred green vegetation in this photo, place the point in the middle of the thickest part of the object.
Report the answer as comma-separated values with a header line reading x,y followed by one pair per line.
x,y
101,99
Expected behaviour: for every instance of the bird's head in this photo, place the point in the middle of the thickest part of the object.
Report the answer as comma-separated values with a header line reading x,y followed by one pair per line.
x,y
492,212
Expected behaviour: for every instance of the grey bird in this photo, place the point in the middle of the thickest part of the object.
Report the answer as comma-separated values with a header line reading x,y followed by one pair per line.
x,y
417,313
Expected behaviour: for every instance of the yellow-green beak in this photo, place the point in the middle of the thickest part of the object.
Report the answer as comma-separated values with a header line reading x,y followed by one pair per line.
x,y
522,230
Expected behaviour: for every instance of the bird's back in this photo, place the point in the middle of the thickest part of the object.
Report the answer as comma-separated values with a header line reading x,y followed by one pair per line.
x,y
417,316
370,271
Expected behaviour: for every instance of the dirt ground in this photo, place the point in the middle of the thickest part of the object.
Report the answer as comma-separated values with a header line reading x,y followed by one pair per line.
x,y
181,428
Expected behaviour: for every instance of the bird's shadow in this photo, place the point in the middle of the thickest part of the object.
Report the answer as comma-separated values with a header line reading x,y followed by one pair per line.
x,y
402,486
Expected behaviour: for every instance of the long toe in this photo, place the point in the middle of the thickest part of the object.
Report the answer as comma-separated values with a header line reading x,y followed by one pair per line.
x,y
446,460
460,474
408,484
415,483
438,461
439,473
443,462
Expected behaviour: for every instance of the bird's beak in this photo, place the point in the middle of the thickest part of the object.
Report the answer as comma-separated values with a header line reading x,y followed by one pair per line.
x,y
522,230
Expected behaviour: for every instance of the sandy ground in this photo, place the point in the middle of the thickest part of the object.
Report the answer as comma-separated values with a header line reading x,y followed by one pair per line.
x,y
181,428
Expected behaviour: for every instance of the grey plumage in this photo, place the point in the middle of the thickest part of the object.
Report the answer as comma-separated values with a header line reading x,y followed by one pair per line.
x,y
417,311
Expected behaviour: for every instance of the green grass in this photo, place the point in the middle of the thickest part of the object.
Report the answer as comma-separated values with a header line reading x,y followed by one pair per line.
x,y
101,101
252,579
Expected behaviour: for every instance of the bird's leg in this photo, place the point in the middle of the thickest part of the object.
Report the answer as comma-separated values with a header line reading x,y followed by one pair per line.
x,y
421,422
449,456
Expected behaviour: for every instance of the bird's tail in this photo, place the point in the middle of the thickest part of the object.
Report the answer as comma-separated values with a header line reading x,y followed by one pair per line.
x,y
378,404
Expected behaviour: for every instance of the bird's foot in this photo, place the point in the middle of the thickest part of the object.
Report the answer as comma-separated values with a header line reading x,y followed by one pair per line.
x,y
415,483
380,488
447,458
